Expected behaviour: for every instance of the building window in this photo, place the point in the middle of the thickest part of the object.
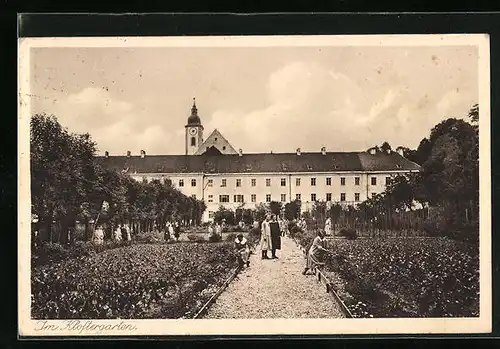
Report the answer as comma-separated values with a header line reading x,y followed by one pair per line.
x,y
223,198
210,198
328,196
238,182
193,196
283,182
342,180
167,182
181,182
374,180
253,198
224,147
254,182
238,198
328,181
210,214
297,197
268,197
268,182
193,182
223,183
356,196
210,183
313,181
193,141
313,197
283,197
387,180
297,182
342,196
356,180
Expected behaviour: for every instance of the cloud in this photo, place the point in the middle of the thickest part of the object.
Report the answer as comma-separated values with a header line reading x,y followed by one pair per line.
x,y
345,100
308,104
311,106
116,125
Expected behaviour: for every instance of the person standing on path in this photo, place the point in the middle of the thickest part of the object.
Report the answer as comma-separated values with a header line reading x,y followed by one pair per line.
x,y
171,231
328,226
177,230
265,236
275,236
316,254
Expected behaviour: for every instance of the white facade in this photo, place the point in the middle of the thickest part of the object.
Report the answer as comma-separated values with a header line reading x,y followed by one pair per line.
x,y
246,190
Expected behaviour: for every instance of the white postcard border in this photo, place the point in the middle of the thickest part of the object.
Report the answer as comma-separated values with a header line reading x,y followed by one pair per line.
x,y
84,327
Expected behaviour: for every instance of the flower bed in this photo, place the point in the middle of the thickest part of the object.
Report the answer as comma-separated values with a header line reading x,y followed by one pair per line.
x,y
137,281
408,277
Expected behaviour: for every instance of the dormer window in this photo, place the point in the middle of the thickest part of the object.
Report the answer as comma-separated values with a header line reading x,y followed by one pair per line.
x,y
309,167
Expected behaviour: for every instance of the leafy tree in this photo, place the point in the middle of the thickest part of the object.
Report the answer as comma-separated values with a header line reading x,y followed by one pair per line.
x,y
275,207
260,211
224,214
385,147
400,193
61,165
292,210
474,114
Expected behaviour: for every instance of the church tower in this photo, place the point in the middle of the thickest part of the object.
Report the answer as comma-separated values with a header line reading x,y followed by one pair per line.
x,y
194,131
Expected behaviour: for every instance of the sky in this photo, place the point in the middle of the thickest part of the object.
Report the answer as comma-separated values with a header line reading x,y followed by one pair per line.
x,y
261,99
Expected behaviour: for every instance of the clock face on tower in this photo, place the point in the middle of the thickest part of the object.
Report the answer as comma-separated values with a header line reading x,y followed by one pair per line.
x,y
192,131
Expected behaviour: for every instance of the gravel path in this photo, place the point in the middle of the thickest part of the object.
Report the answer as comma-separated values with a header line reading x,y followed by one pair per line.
x,y
275,289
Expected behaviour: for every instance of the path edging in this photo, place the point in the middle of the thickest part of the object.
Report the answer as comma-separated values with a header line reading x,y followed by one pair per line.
x,y
212,299
325,281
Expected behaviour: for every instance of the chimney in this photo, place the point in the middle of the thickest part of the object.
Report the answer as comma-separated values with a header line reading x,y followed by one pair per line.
x,y
240,152
128,153
372,151
298,151
323,150
143,154
106,154
388,151
400,151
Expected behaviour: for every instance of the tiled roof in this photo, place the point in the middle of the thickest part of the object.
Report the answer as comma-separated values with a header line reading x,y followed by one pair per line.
x,y
268,162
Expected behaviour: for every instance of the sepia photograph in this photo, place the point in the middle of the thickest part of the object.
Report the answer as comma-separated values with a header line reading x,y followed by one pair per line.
x,y
254,185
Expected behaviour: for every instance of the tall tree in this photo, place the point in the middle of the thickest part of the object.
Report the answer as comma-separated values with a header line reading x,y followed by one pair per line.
x,y
275,207
385,147
62,165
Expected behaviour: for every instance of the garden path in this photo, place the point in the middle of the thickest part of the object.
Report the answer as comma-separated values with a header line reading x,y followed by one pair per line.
x,y
275,288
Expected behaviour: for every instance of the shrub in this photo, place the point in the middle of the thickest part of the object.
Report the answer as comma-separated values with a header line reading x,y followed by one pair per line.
x,y
253,236
231,237
52,253
215,238
348,233
196,238
49,253
150,237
